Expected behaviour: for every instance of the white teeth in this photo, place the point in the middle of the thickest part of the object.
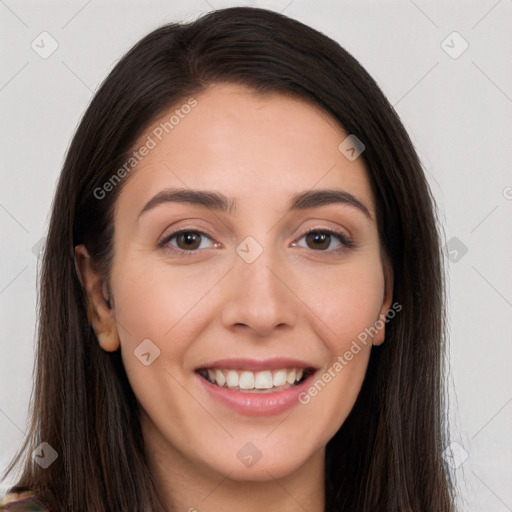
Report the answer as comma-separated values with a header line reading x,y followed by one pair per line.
x,y
263,380
252,381
219,378
246,380
232,379
280,378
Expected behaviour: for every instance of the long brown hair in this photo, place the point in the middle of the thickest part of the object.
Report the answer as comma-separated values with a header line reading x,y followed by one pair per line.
x,y
387,454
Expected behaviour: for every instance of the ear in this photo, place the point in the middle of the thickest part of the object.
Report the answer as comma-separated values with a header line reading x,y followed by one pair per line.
x,y
100,316
380,323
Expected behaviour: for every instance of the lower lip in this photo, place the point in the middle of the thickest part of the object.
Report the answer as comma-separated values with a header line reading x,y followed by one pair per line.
x,y
258,403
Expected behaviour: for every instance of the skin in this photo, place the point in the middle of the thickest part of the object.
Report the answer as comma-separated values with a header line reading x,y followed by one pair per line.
x,y
298,299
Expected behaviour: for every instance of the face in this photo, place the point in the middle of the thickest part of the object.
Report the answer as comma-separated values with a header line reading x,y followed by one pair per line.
x,y
229,307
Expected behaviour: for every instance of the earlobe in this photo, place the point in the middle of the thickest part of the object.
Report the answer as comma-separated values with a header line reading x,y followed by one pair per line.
x,y
109,341
99,307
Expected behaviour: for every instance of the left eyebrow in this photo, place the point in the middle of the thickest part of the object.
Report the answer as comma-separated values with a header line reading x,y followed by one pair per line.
x,y
219,202
316,198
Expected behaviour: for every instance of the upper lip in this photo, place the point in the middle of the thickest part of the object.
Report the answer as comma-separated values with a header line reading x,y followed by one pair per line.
x,y
275,363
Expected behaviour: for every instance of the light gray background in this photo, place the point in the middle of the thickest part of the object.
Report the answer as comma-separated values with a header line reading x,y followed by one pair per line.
x,y
458,112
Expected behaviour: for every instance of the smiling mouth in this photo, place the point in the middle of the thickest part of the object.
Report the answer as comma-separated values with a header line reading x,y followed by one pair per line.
x,y
265,381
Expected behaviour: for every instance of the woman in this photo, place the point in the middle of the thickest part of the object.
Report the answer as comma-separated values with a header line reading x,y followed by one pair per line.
x,y
241,302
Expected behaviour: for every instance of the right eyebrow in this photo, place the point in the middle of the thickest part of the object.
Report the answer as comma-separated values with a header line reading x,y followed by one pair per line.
x,y
207,198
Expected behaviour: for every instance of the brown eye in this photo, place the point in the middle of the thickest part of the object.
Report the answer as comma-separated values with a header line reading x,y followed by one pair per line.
x,y
318,240
322,239
186,240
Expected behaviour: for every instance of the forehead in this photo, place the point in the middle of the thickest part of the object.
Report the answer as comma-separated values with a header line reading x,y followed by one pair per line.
x,y
249,145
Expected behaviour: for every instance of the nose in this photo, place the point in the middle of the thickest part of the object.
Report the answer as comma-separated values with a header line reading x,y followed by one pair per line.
x,y
261,298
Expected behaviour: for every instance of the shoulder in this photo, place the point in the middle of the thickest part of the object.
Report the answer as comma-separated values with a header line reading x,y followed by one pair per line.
x,y
22,502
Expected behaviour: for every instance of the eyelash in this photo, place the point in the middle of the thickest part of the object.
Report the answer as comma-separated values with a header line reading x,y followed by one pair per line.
x,y
346,242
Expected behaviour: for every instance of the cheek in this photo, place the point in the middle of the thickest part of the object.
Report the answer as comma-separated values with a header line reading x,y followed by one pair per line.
x,y
346,300
346,310
155,301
